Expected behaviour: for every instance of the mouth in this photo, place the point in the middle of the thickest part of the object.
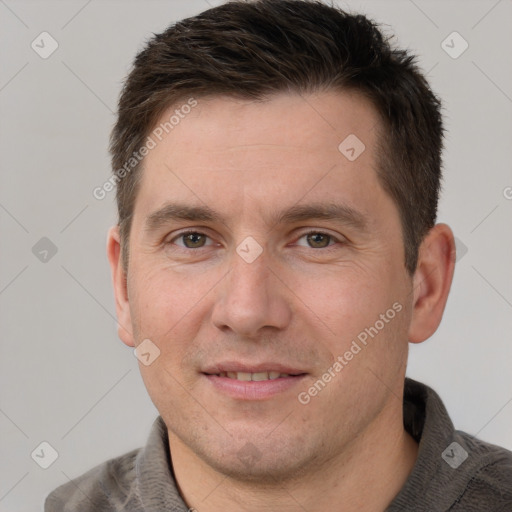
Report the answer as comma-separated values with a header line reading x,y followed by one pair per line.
x,y
256,376
244,382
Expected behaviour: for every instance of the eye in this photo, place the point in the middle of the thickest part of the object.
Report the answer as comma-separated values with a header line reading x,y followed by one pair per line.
x,y
318,239
190,239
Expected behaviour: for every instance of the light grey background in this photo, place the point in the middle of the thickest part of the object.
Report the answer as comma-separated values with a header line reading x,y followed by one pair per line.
x,y
65,378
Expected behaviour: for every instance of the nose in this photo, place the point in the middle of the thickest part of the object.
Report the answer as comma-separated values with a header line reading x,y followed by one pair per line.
x,y
251,298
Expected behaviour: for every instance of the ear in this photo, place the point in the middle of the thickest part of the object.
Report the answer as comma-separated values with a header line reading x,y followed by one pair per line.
x,y
119,281
431,282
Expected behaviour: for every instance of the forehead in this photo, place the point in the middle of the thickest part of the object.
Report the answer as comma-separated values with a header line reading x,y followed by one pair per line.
x,y
290,145
285,124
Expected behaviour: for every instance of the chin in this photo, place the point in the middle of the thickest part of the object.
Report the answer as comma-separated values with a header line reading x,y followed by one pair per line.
x,y
261,463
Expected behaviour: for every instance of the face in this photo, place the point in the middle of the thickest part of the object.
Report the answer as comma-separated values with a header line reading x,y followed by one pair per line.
x,y
259,250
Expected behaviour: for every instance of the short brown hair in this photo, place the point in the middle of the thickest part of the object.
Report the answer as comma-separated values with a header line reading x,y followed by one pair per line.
x,y
252,49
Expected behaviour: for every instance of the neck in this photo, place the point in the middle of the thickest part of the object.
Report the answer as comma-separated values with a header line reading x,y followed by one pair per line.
x,y
364,478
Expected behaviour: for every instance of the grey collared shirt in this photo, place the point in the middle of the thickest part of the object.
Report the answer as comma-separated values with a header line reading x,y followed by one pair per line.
x,y
454,471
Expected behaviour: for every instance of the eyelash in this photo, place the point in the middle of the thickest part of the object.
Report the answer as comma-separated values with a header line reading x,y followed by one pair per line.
x,y
311,232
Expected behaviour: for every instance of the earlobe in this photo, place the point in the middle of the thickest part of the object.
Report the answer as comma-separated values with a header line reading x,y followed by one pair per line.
x,y
432,281
119,281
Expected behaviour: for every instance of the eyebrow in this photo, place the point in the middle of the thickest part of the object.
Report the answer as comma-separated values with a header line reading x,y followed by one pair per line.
x,y
325,211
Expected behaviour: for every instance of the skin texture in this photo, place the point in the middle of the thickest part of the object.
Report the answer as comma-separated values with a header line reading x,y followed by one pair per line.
x,y
302,302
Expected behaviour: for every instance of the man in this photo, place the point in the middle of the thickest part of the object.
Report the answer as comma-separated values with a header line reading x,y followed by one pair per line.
x,y
277,165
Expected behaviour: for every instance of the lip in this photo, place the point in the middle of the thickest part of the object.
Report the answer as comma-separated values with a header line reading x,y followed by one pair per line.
x,y
253,390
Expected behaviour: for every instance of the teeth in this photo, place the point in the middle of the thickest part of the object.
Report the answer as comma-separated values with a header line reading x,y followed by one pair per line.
x,y
258,376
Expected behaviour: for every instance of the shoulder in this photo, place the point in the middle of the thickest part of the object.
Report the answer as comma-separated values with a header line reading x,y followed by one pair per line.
x,y
454,471
105,488
489,482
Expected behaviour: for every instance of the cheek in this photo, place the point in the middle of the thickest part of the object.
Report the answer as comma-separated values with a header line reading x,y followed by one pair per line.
x,y
161,298
165,310
170,308
344,299
363,319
